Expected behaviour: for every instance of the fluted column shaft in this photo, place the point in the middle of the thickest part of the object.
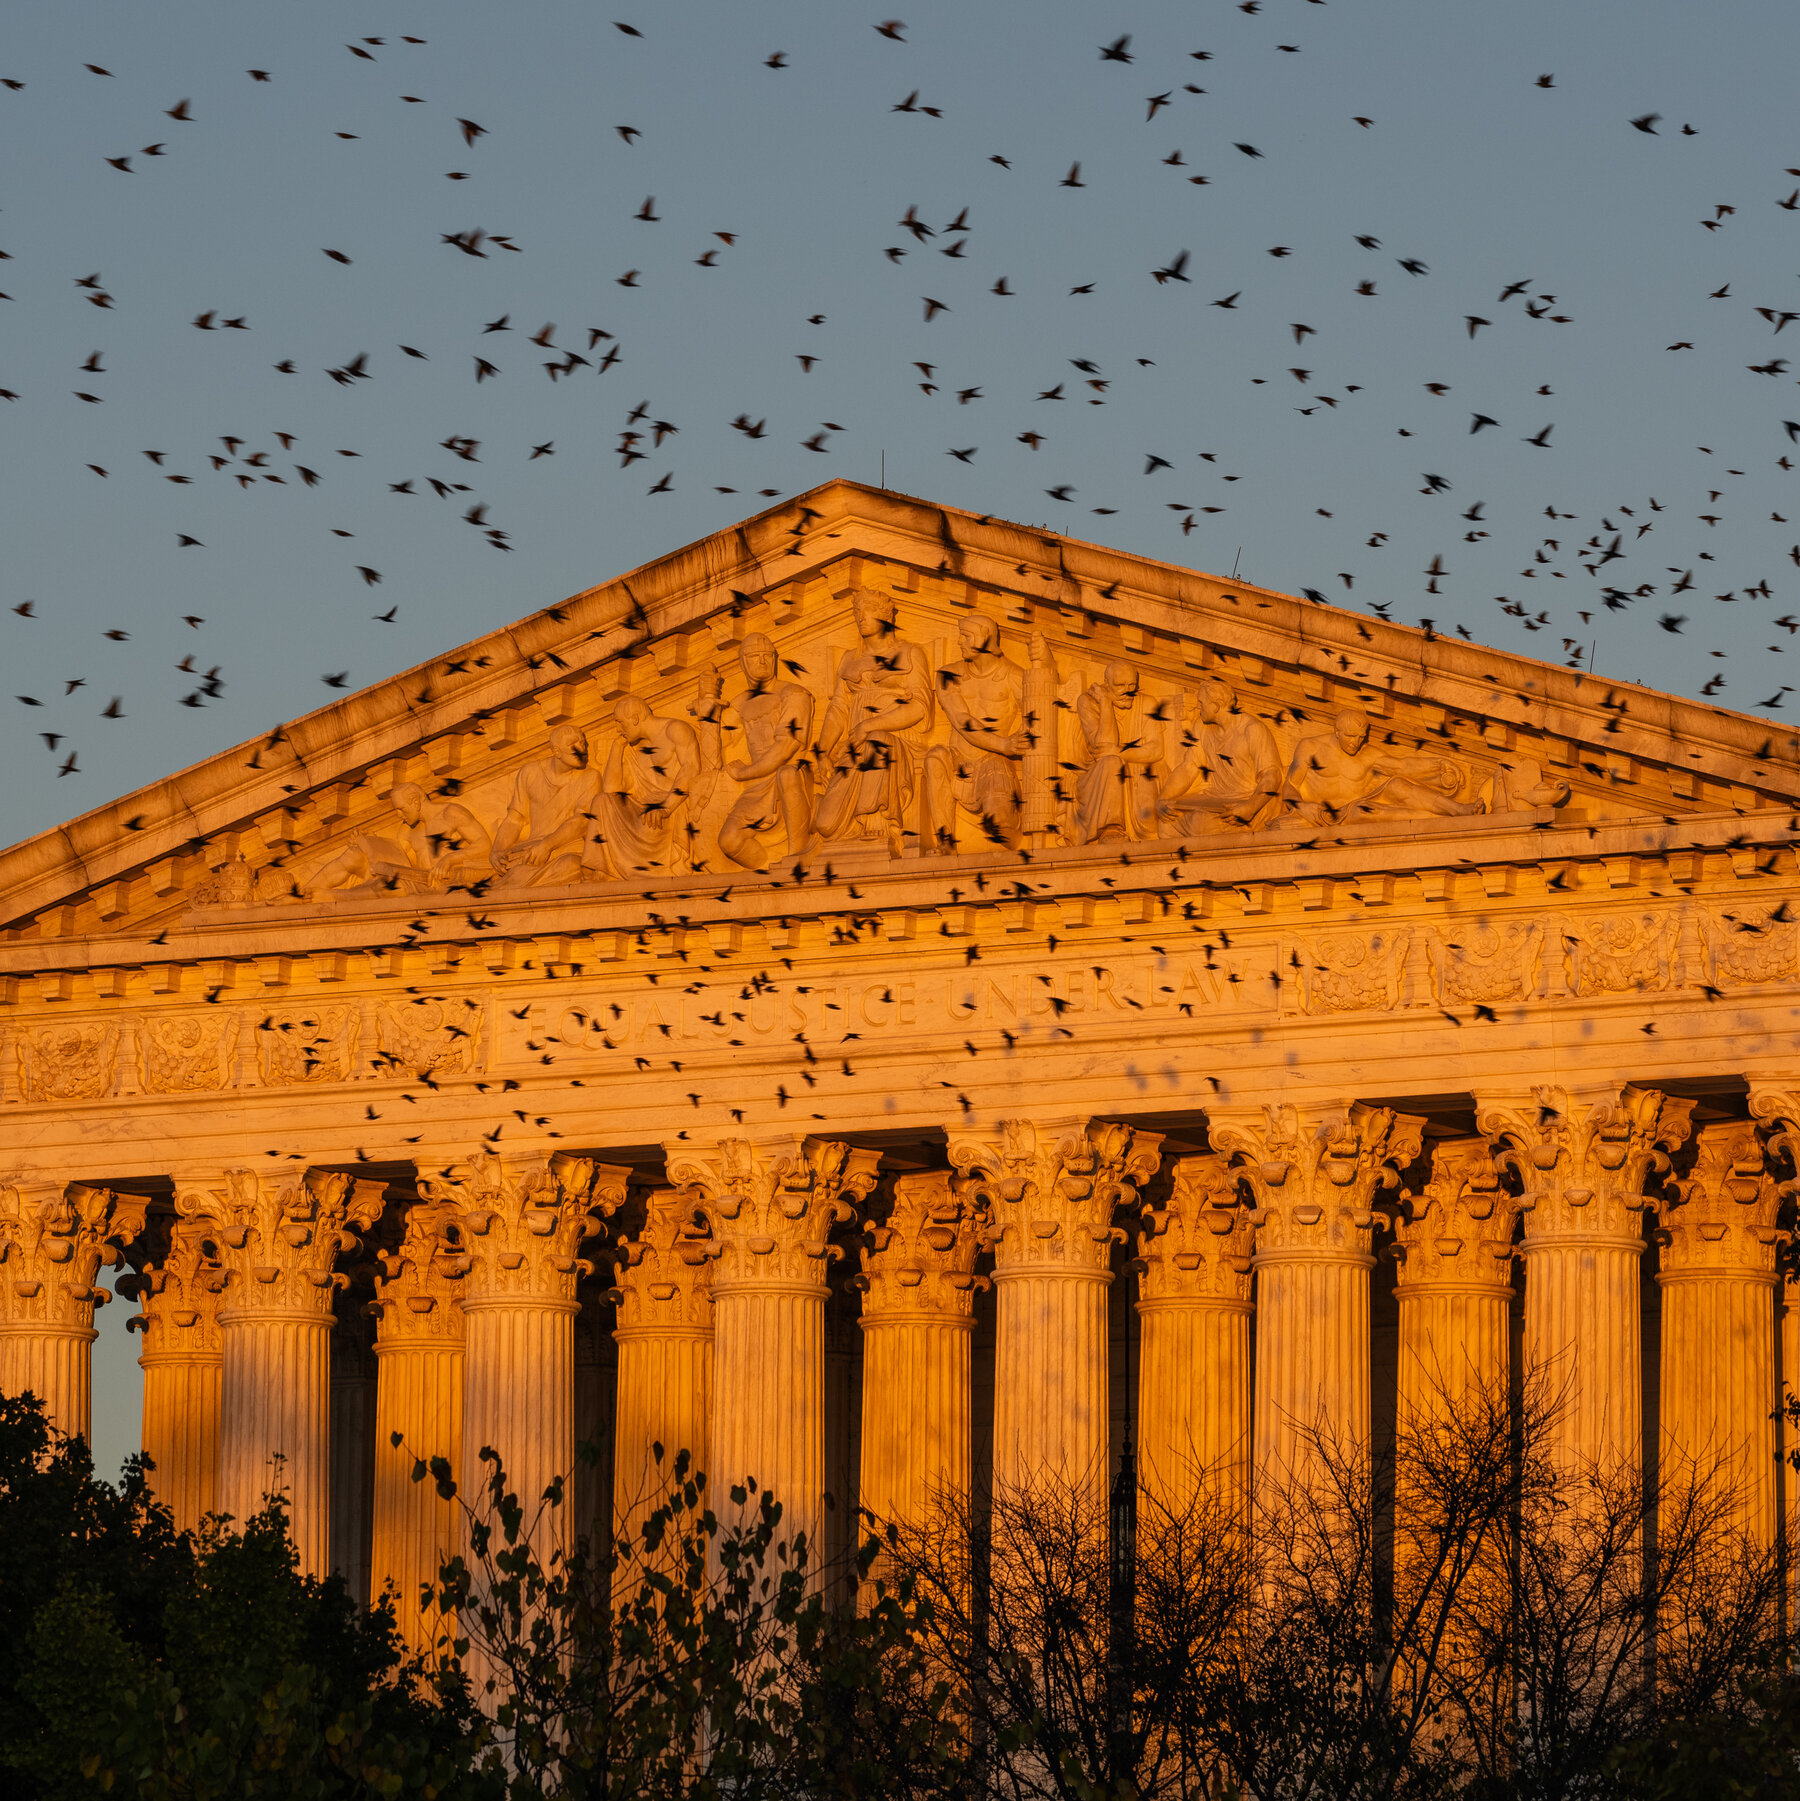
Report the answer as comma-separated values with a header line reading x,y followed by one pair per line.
x,y
178,1294
279,1242
1315,1176
1050,1191
1194,1313
419,1401
771,1203
54,1237
275,1421
1719,1392
1583,1158
352,1447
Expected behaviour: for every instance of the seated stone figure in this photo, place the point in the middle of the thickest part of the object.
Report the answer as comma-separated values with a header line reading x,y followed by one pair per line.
x,y
432,848
1228,771
1338,775
645,796
540,841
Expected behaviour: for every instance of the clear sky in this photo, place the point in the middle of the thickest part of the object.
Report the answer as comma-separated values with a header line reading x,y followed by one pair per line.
x,y
1303,429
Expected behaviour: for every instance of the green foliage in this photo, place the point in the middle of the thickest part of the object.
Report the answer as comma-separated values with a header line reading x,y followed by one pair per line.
x,y
155,1664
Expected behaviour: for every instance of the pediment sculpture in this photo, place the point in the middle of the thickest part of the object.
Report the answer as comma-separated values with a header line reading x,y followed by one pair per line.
x,y
908,746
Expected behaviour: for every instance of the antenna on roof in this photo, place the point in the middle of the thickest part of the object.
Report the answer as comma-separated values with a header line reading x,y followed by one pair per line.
x,y
1234,562
884,468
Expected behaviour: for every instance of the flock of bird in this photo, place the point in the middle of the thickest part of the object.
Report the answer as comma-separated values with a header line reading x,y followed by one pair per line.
x,y
941,263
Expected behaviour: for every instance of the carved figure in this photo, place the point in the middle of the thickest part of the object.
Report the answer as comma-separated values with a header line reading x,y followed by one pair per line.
x,y
540,841
1116,794
645,795
1339,774
230,885
1229,772
776,774
983,697
434,847
873,733
186,1053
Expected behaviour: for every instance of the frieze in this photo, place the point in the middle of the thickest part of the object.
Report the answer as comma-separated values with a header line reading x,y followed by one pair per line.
x,y
301,1045
187,1053
74,1061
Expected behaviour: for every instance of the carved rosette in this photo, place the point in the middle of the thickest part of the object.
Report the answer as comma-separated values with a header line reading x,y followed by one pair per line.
x,y
54,1238
279,1242
1197,1247
1315,1181
417,1288
771,1203
1720,1217
663,1281
178,1295
1457,1228
921,1259
522,1220
1584,1156
1050,1192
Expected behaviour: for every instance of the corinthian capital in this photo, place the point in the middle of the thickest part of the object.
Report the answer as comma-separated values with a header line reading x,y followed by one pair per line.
x,y
1051,1189
419,1280
664,1276
178,1292
1583,1156
521,1219
772,1202
279,1239
921,1259
1197,1247
1720,1216
54,1237
1458,1227
1316,1177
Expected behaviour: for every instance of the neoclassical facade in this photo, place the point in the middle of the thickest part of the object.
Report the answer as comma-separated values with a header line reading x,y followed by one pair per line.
x,y
891,1002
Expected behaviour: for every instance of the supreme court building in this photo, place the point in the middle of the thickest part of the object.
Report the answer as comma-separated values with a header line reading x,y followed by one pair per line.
x,y
892,1001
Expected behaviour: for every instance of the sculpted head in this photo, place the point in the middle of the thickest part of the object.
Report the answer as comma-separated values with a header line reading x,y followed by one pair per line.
x,y
874,613
1122,679
569,746
632,718
1214,701
1350,725
977,634
409,802
756,657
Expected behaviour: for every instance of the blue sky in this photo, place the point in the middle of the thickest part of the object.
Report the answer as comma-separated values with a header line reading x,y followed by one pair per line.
x,y
1467,168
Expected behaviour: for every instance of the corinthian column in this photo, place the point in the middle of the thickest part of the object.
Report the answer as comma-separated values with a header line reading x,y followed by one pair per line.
x,y
1454,1244
54,1237
663,1296
279,1244
1315,1179
1194,1341
1719,1393
178,1297
419,1403
771,1204
522,1220
1583,1157
1050,1192
918,1326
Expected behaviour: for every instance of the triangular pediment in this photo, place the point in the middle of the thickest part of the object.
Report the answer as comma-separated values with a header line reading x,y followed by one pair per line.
x,y
863,679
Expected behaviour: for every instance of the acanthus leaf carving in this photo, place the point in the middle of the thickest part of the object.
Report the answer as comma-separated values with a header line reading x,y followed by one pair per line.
x,y
178,1291
663,1276
921,1258
280,1239
1197,1246
54,1239
1052,1190
772,1202
419,1280
1457,1227
523,1219
1719,1208
1583,1157
1316,1180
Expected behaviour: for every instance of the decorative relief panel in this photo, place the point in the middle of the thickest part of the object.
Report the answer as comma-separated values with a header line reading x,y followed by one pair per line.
x,y
299,1045
1746,947
1480,965
186,1053
1622,953
1353,972
72,1062
428,1036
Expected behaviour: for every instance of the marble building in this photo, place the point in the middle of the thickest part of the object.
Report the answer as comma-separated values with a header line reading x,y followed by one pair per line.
x,y
891,1001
